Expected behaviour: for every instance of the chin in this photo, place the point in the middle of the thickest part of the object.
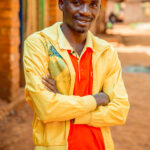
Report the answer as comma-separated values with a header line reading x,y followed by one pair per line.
x,y
80,29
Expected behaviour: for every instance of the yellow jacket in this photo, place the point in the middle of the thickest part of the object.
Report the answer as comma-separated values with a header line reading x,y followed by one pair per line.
x,y
45,52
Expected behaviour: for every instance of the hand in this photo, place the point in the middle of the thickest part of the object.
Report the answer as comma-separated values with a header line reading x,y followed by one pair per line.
x,y
50,83
101,99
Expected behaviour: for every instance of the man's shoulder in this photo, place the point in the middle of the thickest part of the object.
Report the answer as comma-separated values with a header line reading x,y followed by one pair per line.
x,y
100,44
34,36
46,33
100,41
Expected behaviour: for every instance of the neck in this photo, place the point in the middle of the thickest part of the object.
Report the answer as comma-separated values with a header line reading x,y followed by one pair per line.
x,y
74,38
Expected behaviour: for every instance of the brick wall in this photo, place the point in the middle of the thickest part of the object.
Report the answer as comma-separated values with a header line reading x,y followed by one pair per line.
x,y
9,51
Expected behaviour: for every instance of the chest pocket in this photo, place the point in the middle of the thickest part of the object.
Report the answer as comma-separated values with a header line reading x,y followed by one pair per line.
x,y
59,71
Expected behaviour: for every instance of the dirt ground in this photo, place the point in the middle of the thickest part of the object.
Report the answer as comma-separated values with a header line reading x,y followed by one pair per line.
x,y
134,49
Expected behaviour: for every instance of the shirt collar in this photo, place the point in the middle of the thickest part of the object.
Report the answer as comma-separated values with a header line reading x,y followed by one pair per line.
x,y
64,44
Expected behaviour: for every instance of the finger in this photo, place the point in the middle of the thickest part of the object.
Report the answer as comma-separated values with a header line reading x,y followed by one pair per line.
x,y
50,80
48,89
49,76
48,85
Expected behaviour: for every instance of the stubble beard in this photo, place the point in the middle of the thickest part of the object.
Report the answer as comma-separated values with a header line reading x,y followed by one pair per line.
x,y
78,30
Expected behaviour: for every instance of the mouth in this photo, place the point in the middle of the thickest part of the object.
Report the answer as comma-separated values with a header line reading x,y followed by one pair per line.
x,y
83,21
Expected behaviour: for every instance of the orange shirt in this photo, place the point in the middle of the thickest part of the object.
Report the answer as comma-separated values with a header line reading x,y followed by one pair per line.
x,y
84,137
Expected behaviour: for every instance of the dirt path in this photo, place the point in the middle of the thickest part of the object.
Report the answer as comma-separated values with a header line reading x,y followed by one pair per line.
x,y
16,131
133,48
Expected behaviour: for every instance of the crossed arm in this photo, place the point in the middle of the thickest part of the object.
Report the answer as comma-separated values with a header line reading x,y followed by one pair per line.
x,y
101,98
52,106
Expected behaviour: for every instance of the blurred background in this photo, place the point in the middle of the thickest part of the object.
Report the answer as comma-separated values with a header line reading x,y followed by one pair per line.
x,y
123,23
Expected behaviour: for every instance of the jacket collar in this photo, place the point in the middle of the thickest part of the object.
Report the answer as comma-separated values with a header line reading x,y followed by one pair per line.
x,y
56,36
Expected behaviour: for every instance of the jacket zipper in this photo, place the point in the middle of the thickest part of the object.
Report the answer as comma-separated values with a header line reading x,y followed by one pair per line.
x,y
79,65
79,69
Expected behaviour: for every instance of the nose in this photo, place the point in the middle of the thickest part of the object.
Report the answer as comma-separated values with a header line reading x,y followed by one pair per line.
x,y
85,10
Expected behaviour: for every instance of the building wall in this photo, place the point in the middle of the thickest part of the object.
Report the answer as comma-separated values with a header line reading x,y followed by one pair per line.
x,y
98,26
53,14
133,7
31,16
139,15
9,49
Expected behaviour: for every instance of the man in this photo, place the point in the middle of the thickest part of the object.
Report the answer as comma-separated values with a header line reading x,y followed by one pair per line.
x,y
73,83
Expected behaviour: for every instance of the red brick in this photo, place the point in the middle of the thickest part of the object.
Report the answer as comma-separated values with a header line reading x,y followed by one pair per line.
x,y
9,48
8,14
9,40
9,4
9,23
7,31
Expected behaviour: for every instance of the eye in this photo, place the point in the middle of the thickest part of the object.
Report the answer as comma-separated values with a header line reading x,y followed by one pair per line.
x,y
94,4
76,2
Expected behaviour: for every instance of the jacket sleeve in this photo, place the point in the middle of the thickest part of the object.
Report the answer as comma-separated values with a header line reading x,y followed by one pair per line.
x,y
115,113
48,106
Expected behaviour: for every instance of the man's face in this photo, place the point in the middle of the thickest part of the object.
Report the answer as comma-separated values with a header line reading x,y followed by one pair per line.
x,y
79,14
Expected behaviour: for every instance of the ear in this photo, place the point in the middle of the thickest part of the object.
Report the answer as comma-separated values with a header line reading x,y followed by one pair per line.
x,y
61,4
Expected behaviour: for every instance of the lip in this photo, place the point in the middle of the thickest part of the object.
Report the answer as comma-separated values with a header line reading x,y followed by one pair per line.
x,y
82,22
